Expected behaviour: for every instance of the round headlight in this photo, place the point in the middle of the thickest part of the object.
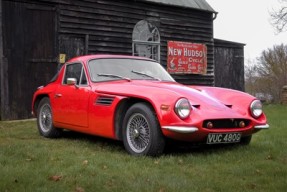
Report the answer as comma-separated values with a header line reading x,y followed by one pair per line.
x,y
256,108
182,108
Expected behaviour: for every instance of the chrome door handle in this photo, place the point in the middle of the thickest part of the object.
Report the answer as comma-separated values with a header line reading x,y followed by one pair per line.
x,y
58,95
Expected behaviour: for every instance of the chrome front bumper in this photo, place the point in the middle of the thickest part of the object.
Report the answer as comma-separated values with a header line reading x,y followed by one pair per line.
x,y
182,129
266,126
179,129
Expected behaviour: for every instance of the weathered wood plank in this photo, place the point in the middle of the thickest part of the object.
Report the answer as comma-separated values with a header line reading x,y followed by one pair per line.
x,y
229,65
89,26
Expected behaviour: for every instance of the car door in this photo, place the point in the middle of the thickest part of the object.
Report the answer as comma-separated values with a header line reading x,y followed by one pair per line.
x,y
70,105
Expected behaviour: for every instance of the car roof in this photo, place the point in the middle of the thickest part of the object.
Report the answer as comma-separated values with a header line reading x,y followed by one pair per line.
x,y
91,57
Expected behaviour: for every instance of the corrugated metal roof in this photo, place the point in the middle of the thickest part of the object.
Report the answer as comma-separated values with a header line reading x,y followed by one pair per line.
x,y
195,4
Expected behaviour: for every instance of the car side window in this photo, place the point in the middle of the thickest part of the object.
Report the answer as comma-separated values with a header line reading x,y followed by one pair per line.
x,y
73,71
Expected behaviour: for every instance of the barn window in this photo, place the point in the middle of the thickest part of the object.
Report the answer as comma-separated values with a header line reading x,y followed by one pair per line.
x,y
146,40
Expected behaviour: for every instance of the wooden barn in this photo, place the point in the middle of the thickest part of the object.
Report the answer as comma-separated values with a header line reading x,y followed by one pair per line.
x,y
36,36
229,64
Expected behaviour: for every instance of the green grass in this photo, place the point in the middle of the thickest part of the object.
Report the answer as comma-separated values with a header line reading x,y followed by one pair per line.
x,y
76,162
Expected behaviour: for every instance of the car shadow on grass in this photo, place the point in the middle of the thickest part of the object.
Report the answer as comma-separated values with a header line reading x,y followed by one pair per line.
x,y
101,142
175,148
184,148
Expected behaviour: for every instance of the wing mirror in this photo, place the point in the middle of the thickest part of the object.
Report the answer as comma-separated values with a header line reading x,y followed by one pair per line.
x,y
71,81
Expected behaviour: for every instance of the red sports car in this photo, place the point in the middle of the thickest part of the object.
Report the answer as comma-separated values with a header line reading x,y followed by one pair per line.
x,y
135,100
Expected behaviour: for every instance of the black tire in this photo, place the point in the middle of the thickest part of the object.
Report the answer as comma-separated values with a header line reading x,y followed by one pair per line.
x,y
45,120
141,131
246,140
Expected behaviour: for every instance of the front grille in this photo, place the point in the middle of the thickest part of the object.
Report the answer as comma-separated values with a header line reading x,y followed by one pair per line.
x,y
103,100
225,123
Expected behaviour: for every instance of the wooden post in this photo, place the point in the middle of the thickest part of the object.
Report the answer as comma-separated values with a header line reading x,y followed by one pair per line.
x,y
284,95
1,65
4,93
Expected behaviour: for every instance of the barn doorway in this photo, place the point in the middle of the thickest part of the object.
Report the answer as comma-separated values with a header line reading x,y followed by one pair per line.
x,y
30,54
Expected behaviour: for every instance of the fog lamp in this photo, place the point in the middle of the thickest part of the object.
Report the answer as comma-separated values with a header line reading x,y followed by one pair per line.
x,y
209,125
241,124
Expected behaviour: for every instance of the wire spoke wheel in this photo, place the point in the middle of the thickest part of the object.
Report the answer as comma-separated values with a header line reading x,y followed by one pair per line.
x,y
45,118
141,131
138,132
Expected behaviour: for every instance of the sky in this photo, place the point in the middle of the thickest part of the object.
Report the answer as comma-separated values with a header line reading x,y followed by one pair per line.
x,y
248,22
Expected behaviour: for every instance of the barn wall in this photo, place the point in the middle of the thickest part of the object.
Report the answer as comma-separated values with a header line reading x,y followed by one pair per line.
x,y
107,26
229,64
35,32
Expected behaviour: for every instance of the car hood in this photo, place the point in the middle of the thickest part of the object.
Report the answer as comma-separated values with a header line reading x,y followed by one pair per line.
x,y
141,87
172,91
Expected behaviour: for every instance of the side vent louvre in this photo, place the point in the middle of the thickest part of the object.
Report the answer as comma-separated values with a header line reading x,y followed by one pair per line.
x,y
103,100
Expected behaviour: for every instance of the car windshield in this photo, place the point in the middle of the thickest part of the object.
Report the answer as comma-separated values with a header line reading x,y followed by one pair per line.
x,y
110,69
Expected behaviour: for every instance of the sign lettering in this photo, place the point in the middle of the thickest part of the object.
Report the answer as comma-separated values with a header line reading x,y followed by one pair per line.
x,y
186,58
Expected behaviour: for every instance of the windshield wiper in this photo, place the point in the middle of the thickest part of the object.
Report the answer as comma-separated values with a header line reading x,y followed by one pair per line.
x,y
144,74
114,76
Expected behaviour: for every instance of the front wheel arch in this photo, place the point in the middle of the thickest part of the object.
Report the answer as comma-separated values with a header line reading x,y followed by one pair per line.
x,y
141,131
121,111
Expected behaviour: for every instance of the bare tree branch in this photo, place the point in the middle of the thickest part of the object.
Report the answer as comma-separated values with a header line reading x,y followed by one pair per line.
x,y
279,17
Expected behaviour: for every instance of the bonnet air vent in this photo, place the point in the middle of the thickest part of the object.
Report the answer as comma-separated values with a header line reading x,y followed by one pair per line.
x,y
196,106
103,100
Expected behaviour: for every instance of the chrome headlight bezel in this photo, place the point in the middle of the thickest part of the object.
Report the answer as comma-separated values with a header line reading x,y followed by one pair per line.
x,y
256,108
182,108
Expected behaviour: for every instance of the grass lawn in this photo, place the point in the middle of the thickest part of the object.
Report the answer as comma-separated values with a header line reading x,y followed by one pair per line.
x,y
76,162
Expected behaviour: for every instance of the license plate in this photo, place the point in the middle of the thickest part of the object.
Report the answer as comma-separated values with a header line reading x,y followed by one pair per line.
x,y
214,138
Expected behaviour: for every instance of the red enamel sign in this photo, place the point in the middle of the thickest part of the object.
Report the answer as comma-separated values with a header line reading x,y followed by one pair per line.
x,y
186,58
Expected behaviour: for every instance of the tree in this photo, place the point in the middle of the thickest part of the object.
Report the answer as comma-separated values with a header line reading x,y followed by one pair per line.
x,y
256,84
251,76
272,70
279,17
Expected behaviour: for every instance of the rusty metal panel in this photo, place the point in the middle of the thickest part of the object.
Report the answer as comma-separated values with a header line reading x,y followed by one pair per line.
x,y
186,58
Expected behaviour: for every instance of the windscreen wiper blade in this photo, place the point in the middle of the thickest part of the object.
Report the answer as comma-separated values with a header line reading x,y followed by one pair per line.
x,y
144,74
113,76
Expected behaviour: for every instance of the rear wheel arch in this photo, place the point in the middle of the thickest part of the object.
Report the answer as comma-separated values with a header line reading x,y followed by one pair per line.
x,y
45,119
37,102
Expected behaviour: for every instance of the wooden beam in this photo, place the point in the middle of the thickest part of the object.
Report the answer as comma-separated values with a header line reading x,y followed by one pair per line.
x,y
2,71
